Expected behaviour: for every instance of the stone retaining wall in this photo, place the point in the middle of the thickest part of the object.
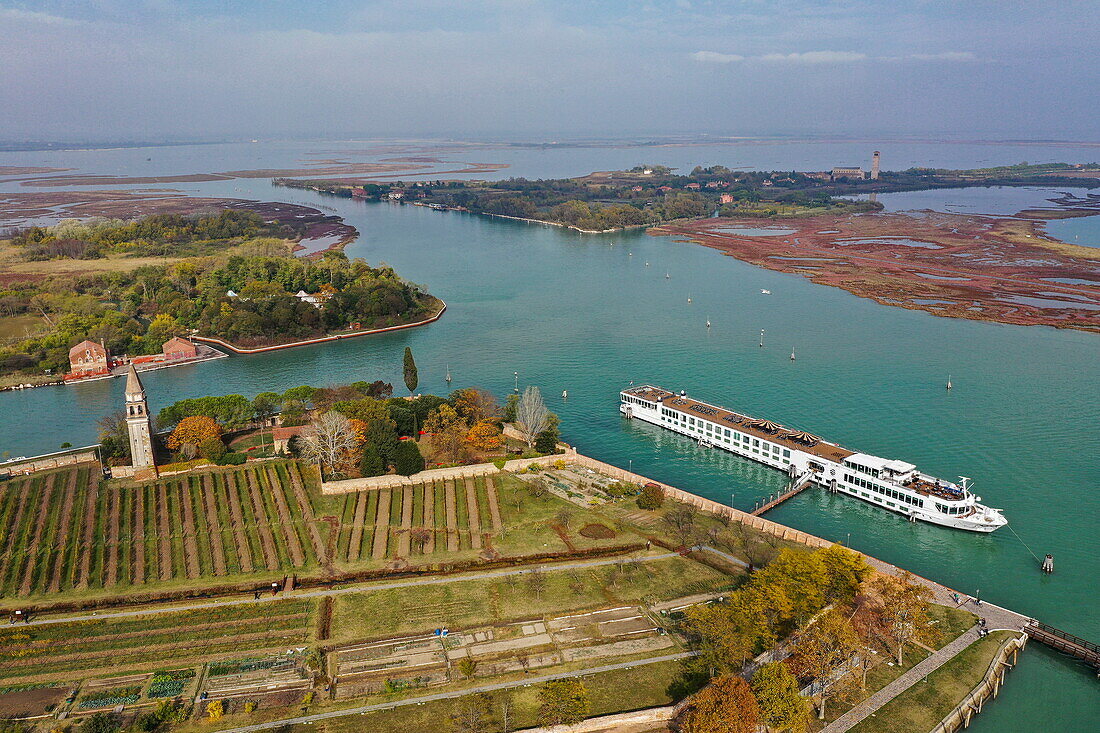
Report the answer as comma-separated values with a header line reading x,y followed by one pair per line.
x,y
613,722
990,685
51,460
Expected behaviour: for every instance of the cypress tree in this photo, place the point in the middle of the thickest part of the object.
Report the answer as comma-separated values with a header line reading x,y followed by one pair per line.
x,y
411,379
371,463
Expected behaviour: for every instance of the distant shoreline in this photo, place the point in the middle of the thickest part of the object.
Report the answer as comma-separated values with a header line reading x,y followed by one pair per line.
x,y
243,351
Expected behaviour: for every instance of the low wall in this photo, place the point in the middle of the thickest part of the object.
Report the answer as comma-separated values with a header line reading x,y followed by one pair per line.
x,y
50,460
990,685
390,481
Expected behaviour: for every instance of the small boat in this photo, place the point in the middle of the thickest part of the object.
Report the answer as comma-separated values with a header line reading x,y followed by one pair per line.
x,y
708,323
949,381
792,354
666,276
565,394
765,292
761,338
689,298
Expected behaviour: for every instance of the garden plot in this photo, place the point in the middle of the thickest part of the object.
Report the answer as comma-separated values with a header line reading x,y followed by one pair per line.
x,y
423,660
577,484
67,652
256,676
68,531
368,667
31,702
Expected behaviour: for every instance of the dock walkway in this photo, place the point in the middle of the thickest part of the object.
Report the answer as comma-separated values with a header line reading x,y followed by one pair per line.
x,y
797,486
1086,651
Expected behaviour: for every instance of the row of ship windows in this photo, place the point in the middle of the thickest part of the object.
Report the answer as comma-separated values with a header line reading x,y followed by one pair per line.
x,y
952,509
726,435
637,401
862,469
885,491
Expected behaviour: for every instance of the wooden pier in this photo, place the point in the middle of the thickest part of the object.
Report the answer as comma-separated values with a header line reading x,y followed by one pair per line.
x,y
798,485
1074,646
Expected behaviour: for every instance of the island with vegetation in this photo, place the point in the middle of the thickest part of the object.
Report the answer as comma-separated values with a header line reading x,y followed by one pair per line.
x,y
229,276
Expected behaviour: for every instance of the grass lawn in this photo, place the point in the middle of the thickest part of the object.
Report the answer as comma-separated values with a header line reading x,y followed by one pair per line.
x,y
926,703
21,327
477,602
951,621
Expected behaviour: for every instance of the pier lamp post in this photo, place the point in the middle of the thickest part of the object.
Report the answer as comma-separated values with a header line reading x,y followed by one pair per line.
x,y
516,388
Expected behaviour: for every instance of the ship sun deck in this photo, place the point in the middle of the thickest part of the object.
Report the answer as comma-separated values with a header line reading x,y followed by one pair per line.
x,y
764,429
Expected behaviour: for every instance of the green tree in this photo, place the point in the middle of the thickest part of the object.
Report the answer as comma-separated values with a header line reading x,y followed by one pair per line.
x,y
563,702
100,723
409,371
371,464
265,405
726,705
212,449
781,705
407,459
846,571
652,497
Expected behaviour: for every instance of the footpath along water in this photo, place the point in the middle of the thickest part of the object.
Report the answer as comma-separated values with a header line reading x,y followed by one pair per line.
x,y
585,314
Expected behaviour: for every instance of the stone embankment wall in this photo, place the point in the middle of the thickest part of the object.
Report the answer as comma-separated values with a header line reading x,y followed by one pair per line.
x,y
51,460
614,722
990,685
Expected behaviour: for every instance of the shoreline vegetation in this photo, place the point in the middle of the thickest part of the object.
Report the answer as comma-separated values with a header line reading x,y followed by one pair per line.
x,y
227,277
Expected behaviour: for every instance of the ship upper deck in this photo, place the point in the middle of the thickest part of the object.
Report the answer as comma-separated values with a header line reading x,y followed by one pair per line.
x,y
764,429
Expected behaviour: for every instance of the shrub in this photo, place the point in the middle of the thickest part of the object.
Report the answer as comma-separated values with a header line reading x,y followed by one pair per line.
x,y
499,463
212,449
250,707
215,710
652,497
371,464
232,459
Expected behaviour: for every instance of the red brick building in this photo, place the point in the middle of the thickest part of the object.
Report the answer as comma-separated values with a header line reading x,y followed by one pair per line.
x,y
177,348
88,359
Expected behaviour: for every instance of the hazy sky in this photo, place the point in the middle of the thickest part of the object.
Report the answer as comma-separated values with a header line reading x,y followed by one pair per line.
x,y
204,69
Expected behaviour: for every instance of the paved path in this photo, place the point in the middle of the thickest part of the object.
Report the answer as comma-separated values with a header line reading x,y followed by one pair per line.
x,y
996,618
524,681
439,580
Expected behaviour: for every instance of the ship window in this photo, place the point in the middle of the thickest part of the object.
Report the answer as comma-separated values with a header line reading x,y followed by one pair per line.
x,y
756,443
890,504
786,453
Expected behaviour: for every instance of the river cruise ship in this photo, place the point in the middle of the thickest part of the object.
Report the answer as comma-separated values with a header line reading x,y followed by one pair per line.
x,y
891,484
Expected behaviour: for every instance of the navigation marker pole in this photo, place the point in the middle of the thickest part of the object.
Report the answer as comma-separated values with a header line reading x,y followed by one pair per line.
x,y
761,338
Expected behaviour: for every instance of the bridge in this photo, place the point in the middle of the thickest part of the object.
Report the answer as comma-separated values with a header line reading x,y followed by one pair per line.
x,y
1074,646
797,485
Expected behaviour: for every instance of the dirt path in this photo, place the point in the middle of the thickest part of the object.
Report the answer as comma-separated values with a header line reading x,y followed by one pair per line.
x,y
473,513
429,517
452,520
216,538
306,508
381,525
286,519
190,543
356,543
36,538
64,527
164,536
494,505
404,541
114,511
244,552
138,575
267,540
88,538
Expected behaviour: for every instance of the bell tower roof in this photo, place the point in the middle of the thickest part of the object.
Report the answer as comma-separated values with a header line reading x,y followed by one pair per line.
x,y
133,383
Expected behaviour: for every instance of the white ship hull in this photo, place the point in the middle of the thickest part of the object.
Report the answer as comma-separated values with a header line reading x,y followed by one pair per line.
x,y
892,485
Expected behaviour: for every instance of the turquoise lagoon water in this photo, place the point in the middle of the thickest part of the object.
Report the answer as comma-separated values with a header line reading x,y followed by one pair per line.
x,y
585,314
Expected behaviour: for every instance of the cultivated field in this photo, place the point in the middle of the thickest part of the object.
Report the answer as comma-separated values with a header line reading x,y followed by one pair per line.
x,y
71,532
72,651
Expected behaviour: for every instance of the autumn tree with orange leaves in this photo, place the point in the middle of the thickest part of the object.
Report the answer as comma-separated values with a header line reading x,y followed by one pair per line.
x,y
191,431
